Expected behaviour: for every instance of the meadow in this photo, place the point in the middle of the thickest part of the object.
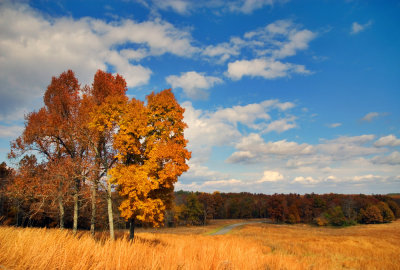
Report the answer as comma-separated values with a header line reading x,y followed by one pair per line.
x,y
254,246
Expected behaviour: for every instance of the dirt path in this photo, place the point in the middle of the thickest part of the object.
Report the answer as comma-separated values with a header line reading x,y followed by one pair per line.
x,y
228,228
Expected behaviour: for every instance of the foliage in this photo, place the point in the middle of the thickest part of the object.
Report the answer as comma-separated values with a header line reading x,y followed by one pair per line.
x,y
152,154
371,215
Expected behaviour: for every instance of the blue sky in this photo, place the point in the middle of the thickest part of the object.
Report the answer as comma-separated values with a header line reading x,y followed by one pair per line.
x,y
280,96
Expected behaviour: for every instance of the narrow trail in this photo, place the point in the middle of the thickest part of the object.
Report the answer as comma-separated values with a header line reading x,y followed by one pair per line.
x,y
228,228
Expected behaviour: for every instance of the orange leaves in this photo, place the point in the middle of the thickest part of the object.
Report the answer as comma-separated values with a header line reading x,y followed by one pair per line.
x,y
152,154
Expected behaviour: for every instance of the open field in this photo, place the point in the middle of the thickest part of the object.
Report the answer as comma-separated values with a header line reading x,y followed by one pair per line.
x,y
255,246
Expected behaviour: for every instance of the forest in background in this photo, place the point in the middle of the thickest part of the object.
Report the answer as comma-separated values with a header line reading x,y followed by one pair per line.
x,y
21,208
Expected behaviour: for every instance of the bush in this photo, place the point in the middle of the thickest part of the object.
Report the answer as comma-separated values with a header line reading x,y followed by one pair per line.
x,y
321,221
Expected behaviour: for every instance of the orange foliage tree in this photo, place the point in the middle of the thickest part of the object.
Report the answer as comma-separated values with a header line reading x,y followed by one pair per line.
x,y
152,154
106,98
57,132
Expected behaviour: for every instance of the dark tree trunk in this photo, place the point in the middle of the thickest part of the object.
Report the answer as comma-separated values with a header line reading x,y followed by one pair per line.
x,y
131,229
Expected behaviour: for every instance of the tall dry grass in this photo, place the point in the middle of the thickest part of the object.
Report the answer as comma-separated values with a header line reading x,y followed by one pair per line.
x,y
261,246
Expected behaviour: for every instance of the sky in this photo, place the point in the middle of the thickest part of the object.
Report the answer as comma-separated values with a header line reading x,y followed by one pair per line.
x,y
280,96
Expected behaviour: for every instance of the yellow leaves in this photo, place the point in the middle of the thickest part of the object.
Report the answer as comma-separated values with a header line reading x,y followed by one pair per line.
x,y
151,150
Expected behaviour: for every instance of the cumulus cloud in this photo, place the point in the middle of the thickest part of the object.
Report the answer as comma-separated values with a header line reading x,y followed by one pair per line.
x,y
253,148
391,159
357,27
281,125
276,40
284,37
271,176
371,116
193,84
366,178
346,147
35,48
389,140
305,180
210,186
262,67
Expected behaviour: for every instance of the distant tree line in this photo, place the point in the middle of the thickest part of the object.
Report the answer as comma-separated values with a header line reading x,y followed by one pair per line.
x,y
326,209
20,206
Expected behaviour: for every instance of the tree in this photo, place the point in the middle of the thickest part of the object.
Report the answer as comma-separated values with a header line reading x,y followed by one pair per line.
x,y
106,98
152,154
395,208
387,214
57,132
335,216
6,176
192,211
371,215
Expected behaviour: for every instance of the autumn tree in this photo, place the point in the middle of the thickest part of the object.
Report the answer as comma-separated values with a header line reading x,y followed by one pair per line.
x,y
106,100
152,154
57,130
193,210
387,214
370,215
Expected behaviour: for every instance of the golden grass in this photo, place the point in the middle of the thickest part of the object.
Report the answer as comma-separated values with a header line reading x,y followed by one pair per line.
x,y
256,246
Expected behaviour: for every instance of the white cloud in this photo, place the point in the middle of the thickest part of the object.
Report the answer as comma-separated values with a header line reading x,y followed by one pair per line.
x,y
366,178
261,67
305,180
281,125
10,131
276,40
179,6
218,183
357,28
392,159
210,186
371,116
35,48
185,7
346,147
389,140
193,84
271,176
334,125
253,149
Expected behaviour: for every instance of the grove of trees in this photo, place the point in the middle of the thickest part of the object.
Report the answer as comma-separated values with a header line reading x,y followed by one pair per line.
x,y
88,141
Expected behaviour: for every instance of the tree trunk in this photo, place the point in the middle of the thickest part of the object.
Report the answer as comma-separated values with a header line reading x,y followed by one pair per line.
x,y
110,212
93,219
76,206
61,207
131,229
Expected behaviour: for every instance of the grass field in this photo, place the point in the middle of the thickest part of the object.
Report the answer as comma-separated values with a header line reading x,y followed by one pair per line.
x,y
255,246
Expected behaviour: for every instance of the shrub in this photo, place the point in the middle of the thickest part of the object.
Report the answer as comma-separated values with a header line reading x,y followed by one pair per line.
x,y
321,221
